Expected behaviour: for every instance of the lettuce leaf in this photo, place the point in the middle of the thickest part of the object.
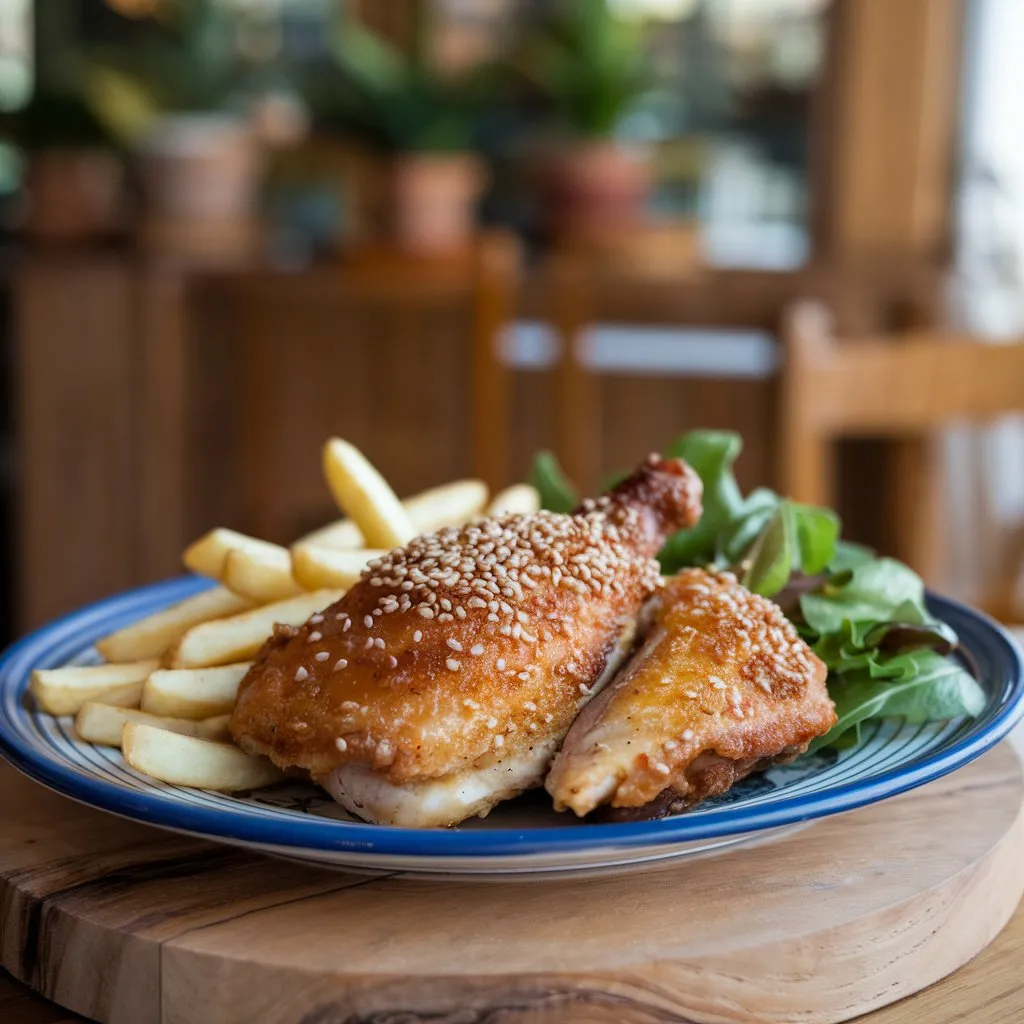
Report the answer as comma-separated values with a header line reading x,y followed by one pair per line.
x,y
553,486
919,686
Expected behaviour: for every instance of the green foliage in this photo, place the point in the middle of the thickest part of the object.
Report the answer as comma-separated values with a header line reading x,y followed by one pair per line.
x,y
588,62
394,101
183,61
54,120
556,492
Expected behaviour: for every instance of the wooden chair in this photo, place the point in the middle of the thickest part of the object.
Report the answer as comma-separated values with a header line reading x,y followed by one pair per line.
x,y
603,419
907,385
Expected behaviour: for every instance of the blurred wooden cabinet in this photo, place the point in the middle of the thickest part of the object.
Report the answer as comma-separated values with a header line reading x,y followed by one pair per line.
x,y
153,405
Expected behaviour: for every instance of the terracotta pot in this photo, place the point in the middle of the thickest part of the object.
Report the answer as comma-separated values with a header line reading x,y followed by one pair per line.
x,y
73,194
427,202
199,167
200,177
591,188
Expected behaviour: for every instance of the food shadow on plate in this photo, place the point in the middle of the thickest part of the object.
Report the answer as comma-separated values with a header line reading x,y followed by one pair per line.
x,y
533,809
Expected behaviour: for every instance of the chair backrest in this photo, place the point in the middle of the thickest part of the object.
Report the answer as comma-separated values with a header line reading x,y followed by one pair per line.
x,y
901,385
395,353
603,417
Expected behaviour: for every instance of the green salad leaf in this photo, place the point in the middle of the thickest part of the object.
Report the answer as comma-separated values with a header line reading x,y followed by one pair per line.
x,y
920,686
773,553
711,453
864,615
553,486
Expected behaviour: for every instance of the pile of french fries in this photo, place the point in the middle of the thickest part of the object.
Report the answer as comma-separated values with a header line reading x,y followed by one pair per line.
x,y
169,684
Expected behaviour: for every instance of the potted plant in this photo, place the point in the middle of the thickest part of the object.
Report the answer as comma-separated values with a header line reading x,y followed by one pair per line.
x,y
417,123
75,176
588,64
199,163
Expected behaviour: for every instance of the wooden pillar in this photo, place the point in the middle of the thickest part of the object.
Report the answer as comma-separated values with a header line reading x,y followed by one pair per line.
x,y
885,126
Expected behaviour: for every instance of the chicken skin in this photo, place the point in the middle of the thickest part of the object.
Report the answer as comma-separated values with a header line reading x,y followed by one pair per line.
x,y
445,680
721,686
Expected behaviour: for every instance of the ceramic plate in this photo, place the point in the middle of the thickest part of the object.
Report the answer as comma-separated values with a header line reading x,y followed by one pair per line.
x,y
524,837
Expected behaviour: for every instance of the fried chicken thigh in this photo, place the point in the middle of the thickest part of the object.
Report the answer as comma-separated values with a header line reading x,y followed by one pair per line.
x,y
721,686
444,681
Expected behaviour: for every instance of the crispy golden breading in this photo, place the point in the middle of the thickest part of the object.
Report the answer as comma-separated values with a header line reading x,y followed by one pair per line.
x,y
467,647
722,685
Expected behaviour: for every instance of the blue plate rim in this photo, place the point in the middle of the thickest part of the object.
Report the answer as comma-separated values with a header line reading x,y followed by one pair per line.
x,y
332,836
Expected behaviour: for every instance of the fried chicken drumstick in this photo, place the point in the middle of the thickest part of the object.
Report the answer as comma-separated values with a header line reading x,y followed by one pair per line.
x,y
445,680
721,687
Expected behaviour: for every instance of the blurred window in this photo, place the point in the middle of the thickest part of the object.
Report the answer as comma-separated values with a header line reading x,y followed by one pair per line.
x,y
15,53
728,116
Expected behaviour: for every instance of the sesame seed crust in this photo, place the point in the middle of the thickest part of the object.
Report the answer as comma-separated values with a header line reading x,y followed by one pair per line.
x,y
544,596
722,683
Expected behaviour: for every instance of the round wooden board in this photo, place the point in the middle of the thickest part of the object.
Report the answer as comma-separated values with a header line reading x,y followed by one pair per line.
x,y
130,925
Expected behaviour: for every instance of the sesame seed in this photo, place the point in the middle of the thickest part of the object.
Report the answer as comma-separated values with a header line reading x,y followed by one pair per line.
x,y
378,642
427,613
662,769
369,642
346,625
301,675
453,644
500,663
316,619
584,688
549,718
321,655
340,664
476,650
417,636
314,636
687,734
460,611
368,621
453,665
470,703
499,741
492,722
523,676
392,661
341,743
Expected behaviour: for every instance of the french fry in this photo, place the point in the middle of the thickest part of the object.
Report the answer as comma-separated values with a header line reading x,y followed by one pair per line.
x,y
519,499
239,637
260,574
448,505
315,566
63,691
153,636
215,728
103,723
208,555
360,490
193,692
189,761
342,534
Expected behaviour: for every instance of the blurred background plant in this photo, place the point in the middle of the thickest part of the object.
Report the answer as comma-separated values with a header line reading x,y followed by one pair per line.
x,y
588,63
419,122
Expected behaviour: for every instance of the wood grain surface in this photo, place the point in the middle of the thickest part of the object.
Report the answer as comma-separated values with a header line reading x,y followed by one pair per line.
x,y
126,924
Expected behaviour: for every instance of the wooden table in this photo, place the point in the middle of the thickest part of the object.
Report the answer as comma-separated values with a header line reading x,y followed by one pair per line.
x,y
988,990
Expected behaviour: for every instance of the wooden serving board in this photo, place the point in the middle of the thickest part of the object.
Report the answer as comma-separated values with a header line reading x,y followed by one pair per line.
x,y
129,925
